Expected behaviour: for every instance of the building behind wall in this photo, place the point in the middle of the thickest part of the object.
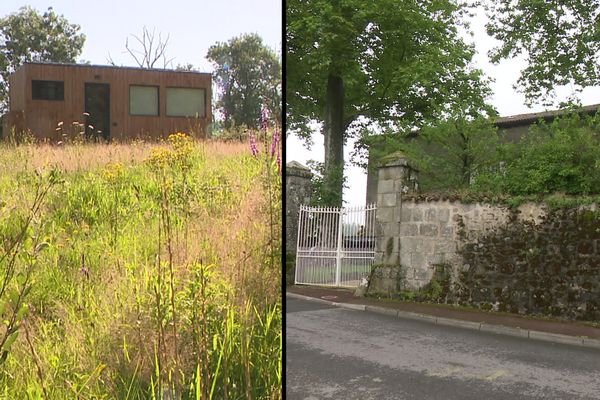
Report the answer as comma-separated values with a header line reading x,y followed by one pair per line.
x,y
510,129
111,103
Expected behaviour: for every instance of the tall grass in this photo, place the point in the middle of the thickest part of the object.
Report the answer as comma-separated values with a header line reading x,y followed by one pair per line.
x,y
159,275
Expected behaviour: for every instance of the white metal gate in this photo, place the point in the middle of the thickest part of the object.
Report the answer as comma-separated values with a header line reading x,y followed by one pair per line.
x,y
336,246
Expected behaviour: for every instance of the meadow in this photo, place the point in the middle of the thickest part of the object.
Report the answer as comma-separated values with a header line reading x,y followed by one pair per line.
x,y
141,271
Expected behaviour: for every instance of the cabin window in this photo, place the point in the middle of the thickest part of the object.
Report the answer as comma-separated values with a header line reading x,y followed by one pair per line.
x,y
47,90
185,102
143,100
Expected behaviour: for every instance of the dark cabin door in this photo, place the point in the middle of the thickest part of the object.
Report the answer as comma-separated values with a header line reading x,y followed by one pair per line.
x,y
97,107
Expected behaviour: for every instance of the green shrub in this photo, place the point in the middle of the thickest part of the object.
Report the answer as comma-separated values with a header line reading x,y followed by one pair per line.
x,y
561,156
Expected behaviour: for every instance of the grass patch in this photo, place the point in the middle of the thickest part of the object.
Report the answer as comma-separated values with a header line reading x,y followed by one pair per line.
x,y
150,270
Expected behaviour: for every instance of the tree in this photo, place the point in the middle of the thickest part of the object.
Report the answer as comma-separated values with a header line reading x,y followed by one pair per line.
x,y
27,36
448,154
559,39
352,63
152,50
249,76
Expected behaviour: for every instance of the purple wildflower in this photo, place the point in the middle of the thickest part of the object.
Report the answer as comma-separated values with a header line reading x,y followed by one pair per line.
x,y
265,118
253,147
274,142
278,161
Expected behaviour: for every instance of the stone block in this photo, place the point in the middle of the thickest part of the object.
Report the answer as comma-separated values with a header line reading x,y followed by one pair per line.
x,y
428,230
380,243
428,245
555,337
447,231
423,274
444,215
459,323
466,208
504,330
385,186
408,229
445,246
405,258
416,316
382,310
387,200
410,244
385,214
391,229
391,245
379,257
391,259
410,273
406,214
417,214
418,261
391,173
431,215
417,244
436,258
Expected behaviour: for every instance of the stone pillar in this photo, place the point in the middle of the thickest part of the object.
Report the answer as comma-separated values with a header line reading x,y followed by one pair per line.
x,y
395,178
298,190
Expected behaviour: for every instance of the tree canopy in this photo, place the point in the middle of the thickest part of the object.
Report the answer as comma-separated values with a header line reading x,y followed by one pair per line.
x,y
559,39
248,74
27,36
351,62
448,154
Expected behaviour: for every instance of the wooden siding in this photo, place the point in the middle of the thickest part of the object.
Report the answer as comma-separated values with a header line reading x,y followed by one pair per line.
x,y
42,116
16,85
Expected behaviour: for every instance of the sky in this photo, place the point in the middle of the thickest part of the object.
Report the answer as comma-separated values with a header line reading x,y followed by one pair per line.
x,y
505,98
193,26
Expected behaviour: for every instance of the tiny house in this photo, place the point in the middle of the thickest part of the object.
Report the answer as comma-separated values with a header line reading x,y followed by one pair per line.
x,y
51,101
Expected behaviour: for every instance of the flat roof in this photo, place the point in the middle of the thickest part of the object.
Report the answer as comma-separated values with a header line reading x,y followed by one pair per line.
x,y
59,64
529,118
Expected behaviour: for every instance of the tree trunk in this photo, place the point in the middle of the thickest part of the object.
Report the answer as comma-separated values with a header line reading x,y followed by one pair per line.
x,y
333,129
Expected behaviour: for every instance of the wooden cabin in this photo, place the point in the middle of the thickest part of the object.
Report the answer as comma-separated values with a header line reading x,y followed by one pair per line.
x,y
53,101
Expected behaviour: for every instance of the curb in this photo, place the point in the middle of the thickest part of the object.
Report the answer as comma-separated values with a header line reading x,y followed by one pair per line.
x,y
476,326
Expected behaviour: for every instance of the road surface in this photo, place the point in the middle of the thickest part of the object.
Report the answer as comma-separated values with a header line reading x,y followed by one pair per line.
x,y
335,353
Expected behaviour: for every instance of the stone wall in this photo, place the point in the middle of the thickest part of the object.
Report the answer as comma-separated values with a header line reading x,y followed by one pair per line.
x,y
528,260
546,267
297,192
432,232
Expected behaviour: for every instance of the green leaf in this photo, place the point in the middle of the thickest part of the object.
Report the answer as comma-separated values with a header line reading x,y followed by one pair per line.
x,y
41,246
3,357
9,342
22,312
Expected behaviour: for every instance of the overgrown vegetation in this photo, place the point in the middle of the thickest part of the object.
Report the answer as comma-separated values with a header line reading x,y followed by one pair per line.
x,y
472,161
561,156
151,272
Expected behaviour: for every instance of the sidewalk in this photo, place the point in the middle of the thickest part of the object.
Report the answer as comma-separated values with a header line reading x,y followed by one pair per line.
x,y
502,323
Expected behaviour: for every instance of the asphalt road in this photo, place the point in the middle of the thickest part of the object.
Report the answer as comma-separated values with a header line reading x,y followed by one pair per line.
x,y
335,353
